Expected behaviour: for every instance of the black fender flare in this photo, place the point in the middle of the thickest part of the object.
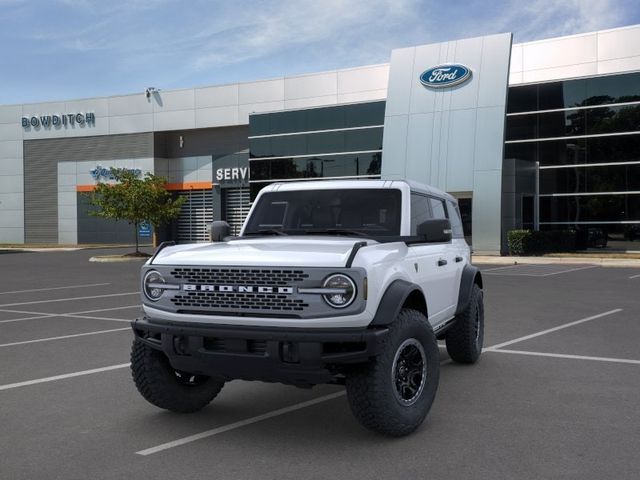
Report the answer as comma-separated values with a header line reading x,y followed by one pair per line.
x,y
470,276
392,301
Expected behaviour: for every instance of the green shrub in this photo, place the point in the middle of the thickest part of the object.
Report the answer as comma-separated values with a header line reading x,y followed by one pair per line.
x,y
533,242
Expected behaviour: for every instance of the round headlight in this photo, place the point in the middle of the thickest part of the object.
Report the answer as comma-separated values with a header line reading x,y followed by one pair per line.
x,y
343,291
153,282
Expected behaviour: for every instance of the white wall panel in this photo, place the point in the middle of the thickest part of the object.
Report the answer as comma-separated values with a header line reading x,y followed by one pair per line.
x,y
419,140
451,133
11,201
266,91
245,110
400,81
461,153
494,70
222,96
130,105
11,166
619,43
368,96
11,218
515,65
558,73
169,100
47,108
11,235
361,79
628,64
10,149
317,85
395,142
10,114
489,121
99,106
11,131
217,116
178,120
310,102
566,51
131,123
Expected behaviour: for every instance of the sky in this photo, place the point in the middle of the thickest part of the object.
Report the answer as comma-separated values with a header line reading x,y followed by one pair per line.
x,y
69,49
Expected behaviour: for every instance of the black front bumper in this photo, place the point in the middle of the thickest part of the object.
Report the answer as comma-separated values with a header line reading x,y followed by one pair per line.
x,y
301,357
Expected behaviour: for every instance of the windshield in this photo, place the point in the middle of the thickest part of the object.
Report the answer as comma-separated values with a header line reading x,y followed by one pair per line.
x,y
358,212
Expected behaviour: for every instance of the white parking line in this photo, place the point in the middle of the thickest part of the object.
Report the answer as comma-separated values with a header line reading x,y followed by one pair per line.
x,y
503,268
11,320
49,339
241,423
39,315
567,271
574,357
62,377
634,276
56,288
110,319
554,329
540,268
248,421
70,299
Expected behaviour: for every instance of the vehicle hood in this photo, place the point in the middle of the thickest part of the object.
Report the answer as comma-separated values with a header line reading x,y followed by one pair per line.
x,y
298,251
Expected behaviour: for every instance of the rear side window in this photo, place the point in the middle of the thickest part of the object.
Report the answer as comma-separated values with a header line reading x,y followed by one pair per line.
x,y
437,207
420,211
454,218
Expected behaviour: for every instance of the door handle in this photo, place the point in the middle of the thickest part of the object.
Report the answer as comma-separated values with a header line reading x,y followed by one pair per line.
x,y
459,259
442,262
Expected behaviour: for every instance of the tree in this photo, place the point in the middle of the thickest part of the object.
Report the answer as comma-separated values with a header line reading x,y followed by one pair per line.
x,y
136,200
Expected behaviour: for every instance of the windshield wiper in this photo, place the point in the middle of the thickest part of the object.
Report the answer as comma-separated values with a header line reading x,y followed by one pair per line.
x,y
337,231
266,231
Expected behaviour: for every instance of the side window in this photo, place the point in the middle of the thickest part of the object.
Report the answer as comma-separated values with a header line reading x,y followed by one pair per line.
x,y
420,211
437,206
454,218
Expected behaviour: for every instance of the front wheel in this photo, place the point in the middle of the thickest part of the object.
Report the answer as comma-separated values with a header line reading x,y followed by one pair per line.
x,y
393,394
163,386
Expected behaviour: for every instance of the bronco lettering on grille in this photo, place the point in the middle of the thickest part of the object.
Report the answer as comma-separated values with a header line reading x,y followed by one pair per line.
x,y
237,289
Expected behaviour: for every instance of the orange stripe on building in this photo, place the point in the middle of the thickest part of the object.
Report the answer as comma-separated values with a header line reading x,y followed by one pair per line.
x,y
189,186
169,186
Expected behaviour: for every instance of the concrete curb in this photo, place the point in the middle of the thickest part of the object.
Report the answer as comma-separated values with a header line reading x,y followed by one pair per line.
x,y
117,259
600,261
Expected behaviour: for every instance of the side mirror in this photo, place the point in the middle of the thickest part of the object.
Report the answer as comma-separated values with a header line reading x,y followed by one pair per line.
x,y
436,230
219,230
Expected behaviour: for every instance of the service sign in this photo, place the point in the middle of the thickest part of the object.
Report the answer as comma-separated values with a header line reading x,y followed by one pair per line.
x,y
443,76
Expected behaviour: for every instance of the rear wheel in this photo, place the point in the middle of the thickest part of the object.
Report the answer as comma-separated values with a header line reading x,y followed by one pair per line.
x,y
163,386
465,337
393,394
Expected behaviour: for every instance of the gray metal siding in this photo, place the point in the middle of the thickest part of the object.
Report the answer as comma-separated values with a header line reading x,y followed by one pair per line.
x,y
41,159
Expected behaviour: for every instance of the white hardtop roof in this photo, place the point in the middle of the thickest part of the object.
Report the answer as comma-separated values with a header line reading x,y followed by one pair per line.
x,y
343,184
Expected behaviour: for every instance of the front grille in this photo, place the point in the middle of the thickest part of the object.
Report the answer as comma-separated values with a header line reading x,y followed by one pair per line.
x,y
239,276
255,302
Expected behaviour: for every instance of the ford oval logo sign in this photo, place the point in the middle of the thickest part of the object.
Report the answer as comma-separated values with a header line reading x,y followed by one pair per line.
x,y
445,76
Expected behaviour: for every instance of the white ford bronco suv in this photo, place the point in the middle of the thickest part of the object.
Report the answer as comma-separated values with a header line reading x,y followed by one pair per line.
x,y
345,282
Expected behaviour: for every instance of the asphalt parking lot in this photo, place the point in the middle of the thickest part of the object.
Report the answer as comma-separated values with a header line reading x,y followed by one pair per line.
x,y
555,395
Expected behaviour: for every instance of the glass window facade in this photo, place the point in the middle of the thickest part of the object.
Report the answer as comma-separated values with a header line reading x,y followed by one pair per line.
x,y
587,149
328,142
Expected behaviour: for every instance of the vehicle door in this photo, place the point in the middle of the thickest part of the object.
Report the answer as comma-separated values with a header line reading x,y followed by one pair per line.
x,y
461,249
434,266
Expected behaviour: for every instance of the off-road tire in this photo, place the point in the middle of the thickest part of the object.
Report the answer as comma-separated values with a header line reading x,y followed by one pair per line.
x,y
161,385
465,337
372,389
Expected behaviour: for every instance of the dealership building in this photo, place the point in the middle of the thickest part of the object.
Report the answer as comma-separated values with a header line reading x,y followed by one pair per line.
x,y
541,135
